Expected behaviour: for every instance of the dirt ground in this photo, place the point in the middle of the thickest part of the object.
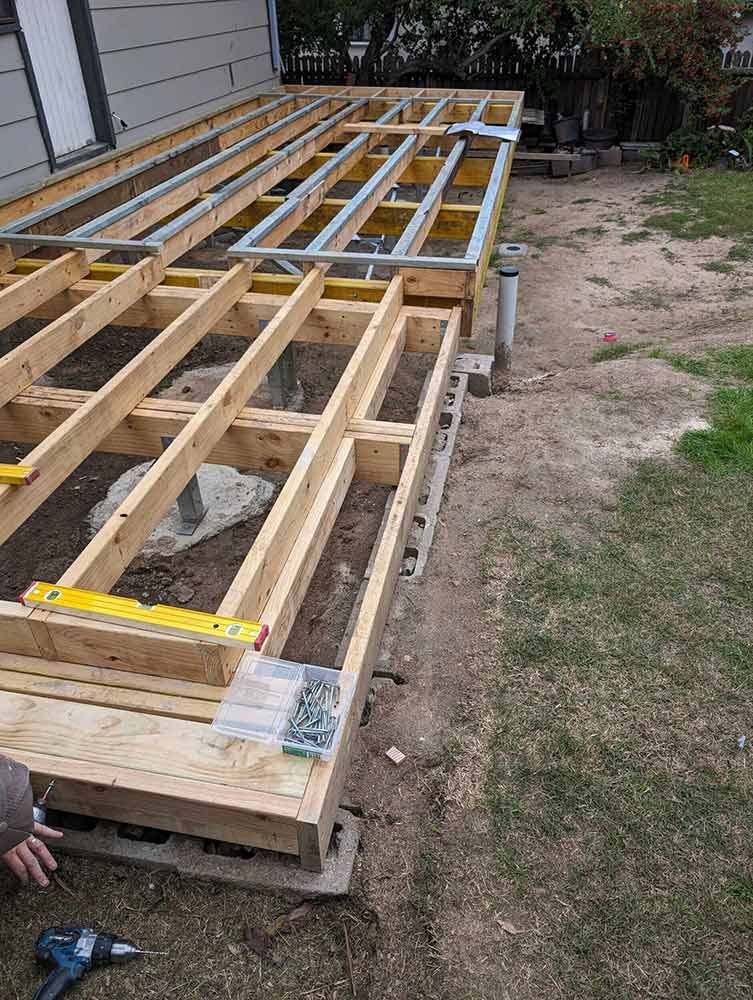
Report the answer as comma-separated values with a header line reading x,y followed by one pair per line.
x,y
425,918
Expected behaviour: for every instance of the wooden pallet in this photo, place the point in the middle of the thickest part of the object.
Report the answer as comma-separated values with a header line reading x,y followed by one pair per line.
x,y
119,715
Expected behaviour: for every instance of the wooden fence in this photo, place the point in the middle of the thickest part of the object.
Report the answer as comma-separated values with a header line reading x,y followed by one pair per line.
x,y
571,84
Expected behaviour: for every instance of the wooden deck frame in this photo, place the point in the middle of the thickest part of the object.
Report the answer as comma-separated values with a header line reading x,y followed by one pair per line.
x,y
119,715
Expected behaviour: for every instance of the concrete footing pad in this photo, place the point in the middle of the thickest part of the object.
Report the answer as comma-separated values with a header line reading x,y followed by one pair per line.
x,y
478,368
261,871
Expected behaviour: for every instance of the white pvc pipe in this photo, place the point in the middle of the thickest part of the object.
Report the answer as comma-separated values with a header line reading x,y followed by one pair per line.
x,y
507,304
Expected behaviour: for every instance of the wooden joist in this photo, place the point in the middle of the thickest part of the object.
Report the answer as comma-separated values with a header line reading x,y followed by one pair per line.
x,y
473,172
108,554
354,290
321,799
21,366
331,321
258,440
453,222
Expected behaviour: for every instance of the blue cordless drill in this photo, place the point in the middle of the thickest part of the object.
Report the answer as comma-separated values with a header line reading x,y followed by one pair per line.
x,y
74,951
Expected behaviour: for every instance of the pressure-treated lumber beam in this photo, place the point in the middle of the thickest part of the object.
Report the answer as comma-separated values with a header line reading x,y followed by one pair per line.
x,y
102,562
322,795
504,96
411,128
21,366
42,686
331,321
127,794
135,215
289,591
453,222
174,748
261,440
473,172
74,440
86,673
102,644
347,289
255,579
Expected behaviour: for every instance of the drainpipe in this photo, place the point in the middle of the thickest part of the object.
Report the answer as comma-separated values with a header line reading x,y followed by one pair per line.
x,y
507,303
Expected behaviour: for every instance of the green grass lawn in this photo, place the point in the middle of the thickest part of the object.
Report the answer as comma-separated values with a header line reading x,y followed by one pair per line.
x,y
610,352
706,203
703,204
620,792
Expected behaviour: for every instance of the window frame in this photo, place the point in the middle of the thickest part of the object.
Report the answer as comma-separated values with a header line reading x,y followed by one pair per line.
x,y
91,69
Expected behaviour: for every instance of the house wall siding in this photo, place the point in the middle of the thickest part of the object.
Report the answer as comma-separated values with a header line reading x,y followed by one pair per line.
x,y
23,157
167,62
164,63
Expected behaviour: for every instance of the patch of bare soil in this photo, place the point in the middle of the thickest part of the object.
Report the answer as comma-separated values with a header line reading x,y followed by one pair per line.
x,y
424,918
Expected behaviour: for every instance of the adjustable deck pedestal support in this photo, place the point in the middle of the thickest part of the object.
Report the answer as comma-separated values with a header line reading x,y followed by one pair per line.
x,y
190,503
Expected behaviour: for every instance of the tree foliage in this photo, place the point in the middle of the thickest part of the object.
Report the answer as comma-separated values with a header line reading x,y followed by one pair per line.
x,y
677,41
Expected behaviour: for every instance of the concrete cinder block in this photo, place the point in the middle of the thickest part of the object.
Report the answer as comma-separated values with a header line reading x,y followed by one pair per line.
x,y
611,157
263,871
586,162
478,368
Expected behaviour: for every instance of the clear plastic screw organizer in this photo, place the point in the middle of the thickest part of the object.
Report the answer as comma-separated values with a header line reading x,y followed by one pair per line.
x,y
297,707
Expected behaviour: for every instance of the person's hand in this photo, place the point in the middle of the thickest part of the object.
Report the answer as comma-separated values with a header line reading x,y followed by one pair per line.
x,y
31,857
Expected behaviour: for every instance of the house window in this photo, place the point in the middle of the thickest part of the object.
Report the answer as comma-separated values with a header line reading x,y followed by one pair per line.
x,y
7,15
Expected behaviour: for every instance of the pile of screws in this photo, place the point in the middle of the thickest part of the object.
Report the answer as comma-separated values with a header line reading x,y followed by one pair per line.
x,y
313,723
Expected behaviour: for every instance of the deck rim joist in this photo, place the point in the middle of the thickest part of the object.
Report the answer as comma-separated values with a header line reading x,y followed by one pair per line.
x,y
113,683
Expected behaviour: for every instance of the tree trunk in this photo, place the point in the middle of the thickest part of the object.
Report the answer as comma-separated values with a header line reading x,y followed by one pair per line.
x,y
381,30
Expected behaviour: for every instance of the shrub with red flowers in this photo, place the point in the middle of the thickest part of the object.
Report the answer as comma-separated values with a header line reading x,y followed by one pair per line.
x,y
678,41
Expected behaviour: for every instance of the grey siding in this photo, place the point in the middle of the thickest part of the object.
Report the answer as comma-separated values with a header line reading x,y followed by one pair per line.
x,y
23,157
165,63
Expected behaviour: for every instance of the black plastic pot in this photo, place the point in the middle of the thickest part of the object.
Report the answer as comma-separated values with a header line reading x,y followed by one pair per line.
x,y
567,130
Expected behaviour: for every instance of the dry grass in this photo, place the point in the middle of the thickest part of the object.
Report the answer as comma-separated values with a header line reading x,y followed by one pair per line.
x,y
617,788
200,925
